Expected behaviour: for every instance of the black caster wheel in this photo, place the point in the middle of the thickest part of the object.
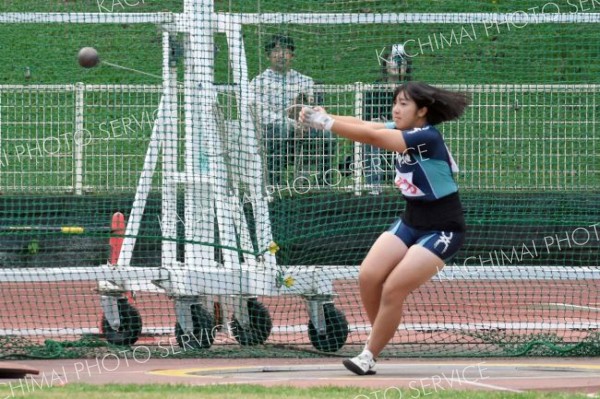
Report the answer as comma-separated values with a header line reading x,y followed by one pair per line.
x,y
131,325
260,325
336,330
202,336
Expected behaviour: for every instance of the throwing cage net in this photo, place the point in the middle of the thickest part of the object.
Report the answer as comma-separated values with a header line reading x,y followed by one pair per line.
x,y
167,200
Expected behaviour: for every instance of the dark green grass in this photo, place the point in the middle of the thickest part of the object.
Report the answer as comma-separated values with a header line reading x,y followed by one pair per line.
x,y
444,53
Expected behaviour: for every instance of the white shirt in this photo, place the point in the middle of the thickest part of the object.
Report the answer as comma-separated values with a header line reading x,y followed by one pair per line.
x,y
274,92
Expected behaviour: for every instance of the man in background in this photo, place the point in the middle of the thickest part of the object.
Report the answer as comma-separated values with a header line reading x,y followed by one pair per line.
x,y
277,90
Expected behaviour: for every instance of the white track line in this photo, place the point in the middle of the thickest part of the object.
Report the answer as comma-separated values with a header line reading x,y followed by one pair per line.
x,y
494,387
571,306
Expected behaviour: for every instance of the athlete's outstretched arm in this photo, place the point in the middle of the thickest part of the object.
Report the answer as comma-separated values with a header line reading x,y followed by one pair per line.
x,y
373,133
352,119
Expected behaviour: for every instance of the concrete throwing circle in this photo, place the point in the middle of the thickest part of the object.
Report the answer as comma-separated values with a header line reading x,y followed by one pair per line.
x,y
421,378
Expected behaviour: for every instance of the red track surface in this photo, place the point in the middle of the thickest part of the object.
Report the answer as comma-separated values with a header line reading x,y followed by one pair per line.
x,y
66,306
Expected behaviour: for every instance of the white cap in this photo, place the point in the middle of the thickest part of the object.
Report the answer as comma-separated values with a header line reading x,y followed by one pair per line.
x,y
398,50
399,58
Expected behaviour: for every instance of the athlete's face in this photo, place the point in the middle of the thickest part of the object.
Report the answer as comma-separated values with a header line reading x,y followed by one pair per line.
x,y
406,113
281,59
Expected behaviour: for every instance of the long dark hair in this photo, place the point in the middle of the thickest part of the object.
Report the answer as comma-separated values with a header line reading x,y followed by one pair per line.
x,y
442,105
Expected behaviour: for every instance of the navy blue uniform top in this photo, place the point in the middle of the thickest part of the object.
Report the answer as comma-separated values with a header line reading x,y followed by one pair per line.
x,y
424,175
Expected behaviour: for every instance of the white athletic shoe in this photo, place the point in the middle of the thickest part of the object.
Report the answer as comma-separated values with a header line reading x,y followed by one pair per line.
x,y
362,364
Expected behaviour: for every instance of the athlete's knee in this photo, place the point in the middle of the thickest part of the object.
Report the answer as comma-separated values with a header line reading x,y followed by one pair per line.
x,y
394,294
368,277
371,272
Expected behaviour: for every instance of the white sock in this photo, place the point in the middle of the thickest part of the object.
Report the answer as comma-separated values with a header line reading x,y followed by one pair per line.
x,y
367,352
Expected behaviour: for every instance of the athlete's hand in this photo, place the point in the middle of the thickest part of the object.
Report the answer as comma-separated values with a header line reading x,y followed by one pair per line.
x,y
316,118
301,100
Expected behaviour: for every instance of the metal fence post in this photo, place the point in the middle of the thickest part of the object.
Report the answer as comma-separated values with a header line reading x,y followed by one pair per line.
x,y
78,138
